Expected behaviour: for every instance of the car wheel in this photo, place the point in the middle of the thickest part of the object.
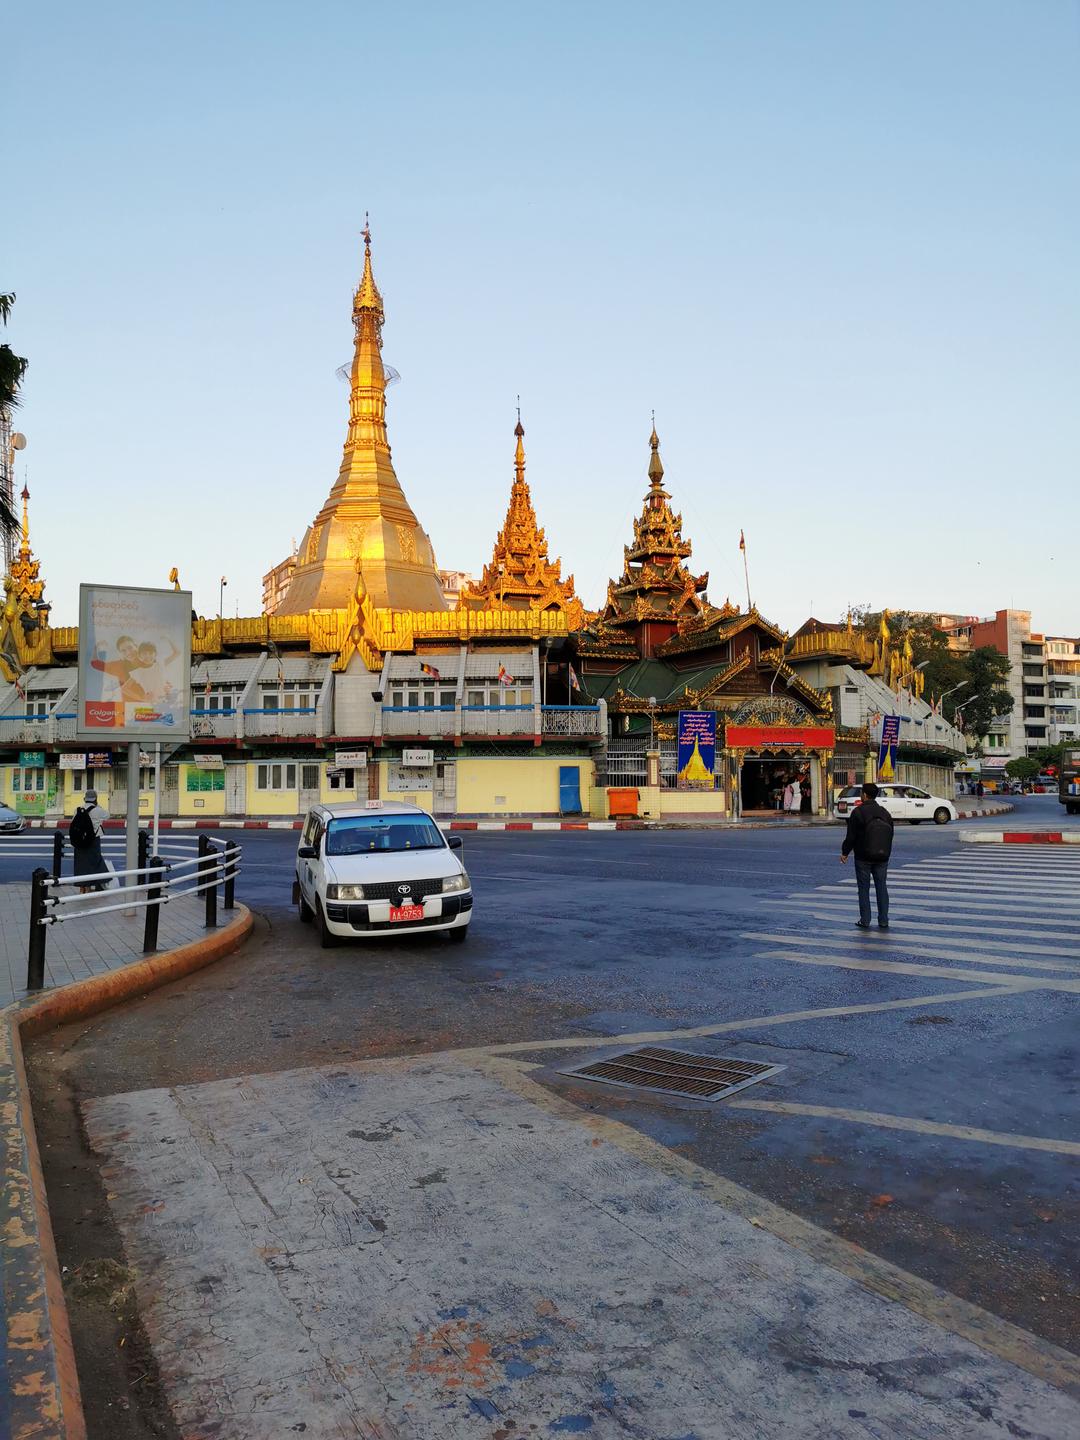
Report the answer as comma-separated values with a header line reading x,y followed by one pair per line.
x,y
303,909
914,822
941,816
326,938
1072,809
458,936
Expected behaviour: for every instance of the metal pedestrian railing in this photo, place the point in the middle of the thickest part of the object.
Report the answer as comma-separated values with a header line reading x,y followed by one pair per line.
x,y
176,871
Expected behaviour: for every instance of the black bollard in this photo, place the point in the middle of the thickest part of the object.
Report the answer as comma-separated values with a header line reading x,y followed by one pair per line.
x,y
232,861
57,855
207,867
144,851
155,875
35,958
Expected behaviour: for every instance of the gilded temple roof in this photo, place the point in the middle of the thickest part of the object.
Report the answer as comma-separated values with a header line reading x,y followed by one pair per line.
x,y
520,575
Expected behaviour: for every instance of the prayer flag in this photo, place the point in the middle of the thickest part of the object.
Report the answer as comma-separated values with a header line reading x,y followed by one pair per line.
x,y
575,683
429,670
505,678
742,541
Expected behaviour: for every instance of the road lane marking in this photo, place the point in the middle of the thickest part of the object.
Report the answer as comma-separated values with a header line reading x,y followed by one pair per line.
x,y
988,1332
845,906
951,932
928,972
1013,985
928,934
916,947
904,1122
927,897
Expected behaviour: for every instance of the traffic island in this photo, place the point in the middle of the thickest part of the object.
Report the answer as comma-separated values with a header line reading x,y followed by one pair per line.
x,y
41,1395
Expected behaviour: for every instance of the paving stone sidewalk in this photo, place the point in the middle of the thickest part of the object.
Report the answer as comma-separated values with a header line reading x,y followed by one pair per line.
x,y
90,944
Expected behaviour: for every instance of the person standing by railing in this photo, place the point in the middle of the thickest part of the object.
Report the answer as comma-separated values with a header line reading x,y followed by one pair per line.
x,y
85,836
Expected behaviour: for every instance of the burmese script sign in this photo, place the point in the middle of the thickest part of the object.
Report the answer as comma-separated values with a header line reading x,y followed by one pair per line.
x,y
134,663
792,737
697,750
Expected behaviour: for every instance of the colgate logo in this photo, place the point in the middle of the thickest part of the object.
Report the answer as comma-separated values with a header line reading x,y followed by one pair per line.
x,y
102,714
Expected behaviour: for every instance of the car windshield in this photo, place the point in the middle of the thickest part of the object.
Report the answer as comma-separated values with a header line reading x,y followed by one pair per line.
x,y
367,834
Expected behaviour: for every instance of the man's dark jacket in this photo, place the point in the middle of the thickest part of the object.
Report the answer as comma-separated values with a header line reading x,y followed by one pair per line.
x,y
869,832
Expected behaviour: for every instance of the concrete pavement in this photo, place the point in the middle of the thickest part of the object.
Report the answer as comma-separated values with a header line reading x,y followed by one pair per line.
x,y
417,1248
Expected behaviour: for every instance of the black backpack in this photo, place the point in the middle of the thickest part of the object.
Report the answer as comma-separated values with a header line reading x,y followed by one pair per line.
x,y
82,828
878,837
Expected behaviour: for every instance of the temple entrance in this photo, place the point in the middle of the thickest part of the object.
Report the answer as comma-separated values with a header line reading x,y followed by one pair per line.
x,y
768,787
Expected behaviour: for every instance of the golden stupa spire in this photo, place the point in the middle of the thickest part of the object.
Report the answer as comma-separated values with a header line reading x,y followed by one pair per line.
x,y
24,545
27,585
366,520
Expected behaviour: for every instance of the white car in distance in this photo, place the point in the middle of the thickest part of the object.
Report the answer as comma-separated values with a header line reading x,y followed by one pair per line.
x,y
377,870
903,802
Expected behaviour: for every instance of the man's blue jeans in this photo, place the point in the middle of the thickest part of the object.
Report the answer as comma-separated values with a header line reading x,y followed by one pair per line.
x,y
876,870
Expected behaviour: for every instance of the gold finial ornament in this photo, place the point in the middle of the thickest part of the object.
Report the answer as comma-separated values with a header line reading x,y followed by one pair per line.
x,y
366,519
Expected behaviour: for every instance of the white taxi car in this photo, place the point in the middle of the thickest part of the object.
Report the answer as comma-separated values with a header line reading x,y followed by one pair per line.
x,y
903,802
377,869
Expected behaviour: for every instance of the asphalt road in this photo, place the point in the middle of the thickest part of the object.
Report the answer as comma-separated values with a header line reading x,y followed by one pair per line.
x,y
940,1134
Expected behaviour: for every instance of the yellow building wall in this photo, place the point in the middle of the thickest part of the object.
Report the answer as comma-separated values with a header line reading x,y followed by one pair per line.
x,y
692,802
517,786
330,796
263,802
424,798
213,801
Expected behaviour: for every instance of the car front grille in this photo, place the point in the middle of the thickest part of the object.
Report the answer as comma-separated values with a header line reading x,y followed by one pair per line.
x,y
391,890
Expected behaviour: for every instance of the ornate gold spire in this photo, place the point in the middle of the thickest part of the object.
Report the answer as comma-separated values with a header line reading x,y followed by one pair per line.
x,y
520,575
366,520
655,584
28,587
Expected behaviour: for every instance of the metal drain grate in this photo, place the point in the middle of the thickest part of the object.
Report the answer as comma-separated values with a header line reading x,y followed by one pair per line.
x,y
677,1072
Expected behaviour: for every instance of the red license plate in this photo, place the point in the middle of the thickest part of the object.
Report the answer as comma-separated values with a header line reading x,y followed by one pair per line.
x,y
406,912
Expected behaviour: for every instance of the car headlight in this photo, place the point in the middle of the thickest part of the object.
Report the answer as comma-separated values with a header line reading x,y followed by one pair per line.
x,y
344,892
455,882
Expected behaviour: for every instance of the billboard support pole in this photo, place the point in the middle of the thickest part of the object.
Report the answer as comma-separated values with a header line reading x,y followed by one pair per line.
x,y
131,852
157,793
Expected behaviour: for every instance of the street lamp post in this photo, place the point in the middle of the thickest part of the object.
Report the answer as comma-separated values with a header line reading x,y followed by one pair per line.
x,y
221,601
652,722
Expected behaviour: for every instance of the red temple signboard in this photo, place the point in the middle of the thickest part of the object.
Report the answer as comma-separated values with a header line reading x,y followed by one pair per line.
x,y
808,737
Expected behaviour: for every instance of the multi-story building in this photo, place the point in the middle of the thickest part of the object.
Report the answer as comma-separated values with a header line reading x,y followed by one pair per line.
x,y
1063,688
1044,681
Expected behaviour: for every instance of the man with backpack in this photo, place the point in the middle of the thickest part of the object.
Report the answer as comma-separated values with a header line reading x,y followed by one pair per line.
x,y
85,838
870,836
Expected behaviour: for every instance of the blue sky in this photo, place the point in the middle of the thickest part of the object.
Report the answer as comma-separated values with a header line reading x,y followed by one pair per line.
x,y
834,245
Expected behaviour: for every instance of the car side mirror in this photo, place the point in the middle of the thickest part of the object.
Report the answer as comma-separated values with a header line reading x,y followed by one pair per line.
x,y
455,842
306,852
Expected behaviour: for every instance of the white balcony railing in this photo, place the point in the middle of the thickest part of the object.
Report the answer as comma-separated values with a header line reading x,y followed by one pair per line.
x,y
32,731
298,722
571,720
419,719
214,724
498,719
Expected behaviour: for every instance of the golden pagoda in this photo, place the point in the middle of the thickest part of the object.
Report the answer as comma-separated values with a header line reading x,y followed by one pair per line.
x,y
656,592
520,575
366,522
24,614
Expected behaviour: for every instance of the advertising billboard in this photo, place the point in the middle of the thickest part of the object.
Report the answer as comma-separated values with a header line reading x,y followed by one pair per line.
x,y
697,750
134,664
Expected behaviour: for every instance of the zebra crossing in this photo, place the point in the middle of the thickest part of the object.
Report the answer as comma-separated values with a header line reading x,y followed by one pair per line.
x,y
1003,916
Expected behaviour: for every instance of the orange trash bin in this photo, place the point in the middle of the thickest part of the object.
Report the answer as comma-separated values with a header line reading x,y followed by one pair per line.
x,y
623,802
